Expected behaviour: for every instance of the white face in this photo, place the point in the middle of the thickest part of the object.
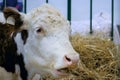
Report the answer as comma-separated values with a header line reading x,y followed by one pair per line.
x,y
48,48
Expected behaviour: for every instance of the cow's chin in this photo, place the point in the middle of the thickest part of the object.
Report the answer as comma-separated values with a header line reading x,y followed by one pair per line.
x,y
59,73
55,73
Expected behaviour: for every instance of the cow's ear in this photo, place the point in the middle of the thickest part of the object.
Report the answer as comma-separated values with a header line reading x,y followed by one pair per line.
x,y
13,15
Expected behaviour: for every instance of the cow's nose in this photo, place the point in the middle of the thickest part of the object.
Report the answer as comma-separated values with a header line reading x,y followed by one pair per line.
x,y
71,60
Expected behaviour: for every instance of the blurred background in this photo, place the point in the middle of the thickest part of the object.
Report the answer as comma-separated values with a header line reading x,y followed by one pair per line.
x,y
97,14
80,9
86,16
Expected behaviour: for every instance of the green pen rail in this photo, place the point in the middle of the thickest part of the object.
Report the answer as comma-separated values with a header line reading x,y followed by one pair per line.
x,y
46,1
91,8
25,6
112,19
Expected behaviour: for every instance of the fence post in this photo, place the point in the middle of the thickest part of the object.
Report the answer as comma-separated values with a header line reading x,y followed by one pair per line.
x,y
4,4
69,10
91,31
112,20
46,1
25,6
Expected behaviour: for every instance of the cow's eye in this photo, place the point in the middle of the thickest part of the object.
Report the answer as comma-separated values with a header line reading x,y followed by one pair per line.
x,y
39,30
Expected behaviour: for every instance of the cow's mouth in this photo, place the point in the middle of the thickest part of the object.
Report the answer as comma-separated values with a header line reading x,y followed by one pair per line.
x,y
63,71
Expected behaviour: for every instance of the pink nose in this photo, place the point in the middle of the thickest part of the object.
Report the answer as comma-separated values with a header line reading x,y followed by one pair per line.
x,y
71,60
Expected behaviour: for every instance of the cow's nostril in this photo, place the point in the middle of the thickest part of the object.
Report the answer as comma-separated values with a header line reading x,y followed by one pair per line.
x,y
68,59
71,59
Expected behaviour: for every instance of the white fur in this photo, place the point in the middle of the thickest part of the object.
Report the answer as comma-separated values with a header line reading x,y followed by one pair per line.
x,y
2,18
19,42
11,20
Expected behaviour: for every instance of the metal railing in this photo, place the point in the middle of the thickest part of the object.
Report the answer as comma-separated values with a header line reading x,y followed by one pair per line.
x,y
69,5
91,10
25,6
112,19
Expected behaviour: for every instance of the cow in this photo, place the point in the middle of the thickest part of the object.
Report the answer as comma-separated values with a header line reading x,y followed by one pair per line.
x,y
41,43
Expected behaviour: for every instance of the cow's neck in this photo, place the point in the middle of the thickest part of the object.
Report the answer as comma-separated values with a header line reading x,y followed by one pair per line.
x,y
20,40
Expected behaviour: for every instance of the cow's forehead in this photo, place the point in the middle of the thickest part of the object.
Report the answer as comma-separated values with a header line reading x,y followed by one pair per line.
x,y
48,15
44,9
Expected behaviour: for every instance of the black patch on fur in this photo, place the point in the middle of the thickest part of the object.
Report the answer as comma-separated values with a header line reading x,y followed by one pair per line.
x,y
20,61
8,48
8,51
10,57
24,35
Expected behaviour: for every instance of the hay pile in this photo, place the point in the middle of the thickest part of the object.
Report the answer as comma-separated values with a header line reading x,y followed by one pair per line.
x,y
98,59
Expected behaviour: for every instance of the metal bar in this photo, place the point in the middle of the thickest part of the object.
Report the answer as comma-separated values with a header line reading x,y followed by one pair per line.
x,y
4,3
91,31
69,10
25,6
47,1
112,20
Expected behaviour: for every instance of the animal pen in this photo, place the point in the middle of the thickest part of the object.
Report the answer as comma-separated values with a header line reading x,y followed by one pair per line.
x,y
99,56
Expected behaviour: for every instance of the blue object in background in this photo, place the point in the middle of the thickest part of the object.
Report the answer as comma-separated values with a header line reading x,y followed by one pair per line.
x,y
18,4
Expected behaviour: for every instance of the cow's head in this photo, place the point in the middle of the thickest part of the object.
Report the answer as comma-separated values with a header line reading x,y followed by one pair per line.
x,y
48,48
